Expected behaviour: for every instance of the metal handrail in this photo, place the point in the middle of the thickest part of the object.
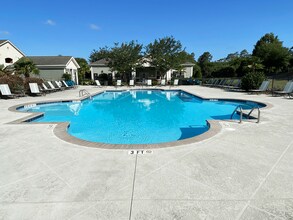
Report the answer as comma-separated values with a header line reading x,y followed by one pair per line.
x,y
83,92
241,113
258,113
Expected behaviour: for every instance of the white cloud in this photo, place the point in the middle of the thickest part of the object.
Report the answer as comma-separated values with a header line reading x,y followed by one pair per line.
x,y
94,27
50,22
4,32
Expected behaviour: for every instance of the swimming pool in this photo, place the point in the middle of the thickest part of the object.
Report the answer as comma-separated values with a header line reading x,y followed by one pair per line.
x,y
138,116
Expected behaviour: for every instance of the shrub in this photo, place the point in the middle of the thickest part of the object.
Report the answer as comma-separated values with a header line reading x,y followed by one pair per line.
x,y
252,81
15,83
66,76
154,82
103,77
31,80
227,71
197,75
87,82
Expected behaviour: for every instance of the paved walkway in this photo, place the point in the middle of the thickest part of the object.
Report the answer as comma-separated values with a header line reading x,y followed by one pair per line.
x,y
244,172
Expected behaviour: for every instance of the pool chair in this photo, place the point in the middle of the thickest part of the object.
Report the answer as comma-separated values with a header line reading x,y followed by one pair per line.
x,y
62,85
131,82
227,83
263,87
206,82
236,86
34,88
288,89
5,91
149,82
66,85
209,82
215,83
118,82
218,83
58,85
176,81
98,83
52,86
163,82
222,83
46,89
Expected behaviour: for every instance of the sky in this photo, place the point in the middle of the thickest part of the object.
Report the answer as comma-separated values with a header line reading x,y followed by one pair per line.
x,y
76,28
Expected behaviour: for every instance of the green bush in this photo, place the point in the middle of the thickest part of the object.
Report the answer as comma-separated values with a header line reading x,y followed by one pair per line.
x,y
15,83
66,76
87,82
197,75
154,82
252,81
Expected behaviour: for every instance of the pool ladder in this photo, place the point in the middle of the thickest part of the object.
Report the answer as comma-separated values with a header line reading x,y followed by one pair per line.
x,y
84,92
247,115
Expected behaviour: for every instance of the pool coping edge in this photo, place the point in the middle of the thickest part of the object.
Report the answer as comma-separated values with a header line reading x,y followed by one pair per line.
x,y
60,130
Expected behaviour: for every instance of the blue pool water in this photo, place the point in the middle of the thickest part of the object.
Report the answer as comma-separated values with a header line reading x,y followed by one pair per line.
x,y
138,116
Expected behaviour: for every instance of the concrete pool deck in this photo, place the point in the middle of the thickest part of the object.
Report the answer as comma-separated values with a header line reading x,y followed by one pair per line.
x,y
243,172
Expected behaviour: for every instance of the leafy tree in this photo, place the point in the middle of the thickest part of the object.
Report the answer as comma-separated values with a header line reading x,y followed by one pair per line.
x,y
165,53
181,58
26,67
124,57
255,66
244,53
272,53
197,71
84,68
204,62
232,56
291,59
222,70
102,53
184,57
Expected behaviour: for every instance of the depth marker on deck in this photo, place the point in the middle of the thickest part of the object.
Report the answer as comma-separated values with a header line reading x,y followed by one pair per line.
x,y
134,152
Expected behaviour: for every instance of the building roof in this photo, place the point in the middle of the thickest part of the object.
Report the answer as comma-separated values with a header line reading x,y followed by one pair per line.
x,y
2,41
101,62
50,60
187,64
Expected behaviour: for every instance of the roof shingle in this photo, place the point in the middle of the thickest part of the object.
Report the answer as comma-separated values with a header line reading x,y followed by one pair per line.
x,y
2,41
50,60
101,62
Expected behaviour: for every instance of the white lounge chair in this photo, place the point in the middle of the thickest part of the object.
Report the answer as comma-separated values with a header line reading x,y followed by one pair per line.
x,y
175,83
118,82
5,91
149,82
47,89
98,83
59,85
34,89
131,82
52,86
163,82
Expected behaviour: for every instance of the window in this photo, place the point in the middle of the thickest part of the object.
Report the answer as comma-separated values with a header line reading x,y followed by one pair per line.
x,y
8,60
